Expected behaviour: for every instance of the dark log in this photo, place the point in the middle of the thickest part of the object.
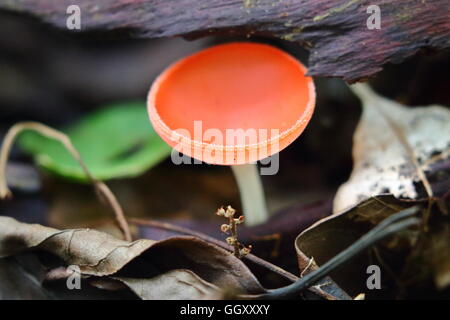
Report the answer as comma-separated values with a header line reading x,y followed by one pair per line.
x,y
335,31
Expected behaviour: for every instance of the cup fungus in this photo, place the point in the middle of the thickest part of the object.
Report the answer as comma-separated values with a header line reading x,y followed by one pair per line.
x,y
233,104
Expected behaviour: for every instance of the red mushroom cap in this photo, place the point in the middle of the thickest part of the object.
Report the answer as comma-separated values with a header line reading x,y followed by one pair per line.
x,y
237,86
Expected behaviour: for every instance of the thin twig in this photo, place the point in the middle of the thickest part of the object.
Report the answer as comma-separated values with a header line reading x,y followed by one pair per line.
x,y
234,233
102,189
388,226
251,257
441,156
311,262
229,213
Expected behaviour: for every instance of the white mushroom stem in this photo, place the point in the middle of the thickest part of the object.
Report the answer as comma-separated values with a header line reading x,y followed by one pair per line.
x,y
252,193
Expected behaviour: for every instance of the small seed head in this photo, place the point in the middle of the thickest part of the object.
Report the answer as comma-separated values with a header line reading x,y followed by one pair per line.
x,y
245,251
239,220
231,240
229,213
220,212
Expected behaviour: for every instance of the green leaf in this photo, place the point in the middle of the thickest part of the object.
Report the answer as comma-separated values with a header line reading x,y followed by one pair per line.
x,y
114,142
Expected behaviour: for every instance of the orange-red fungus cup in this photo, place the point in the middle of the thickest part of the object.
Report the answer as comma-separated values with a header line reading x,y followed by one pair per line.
x,y
232,104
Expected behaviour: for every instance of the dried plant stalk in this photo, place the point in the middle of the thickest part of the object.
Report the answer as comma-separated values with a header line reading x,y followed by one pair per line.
x,y
239,249
101,188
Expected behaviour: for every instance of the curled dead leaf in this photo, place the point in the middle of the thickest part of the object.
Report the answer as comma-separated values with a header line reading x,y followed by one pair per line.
x,y
150,264
329,236
395,149
414,258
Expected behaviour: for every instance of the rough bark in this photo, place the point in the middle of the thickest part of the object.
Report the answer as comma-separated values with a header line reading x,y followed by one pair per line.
x,y
335,31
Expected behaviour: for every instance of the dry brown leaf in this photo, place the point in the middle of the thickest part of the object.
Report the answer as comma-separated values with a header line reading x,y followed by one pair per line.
x,y
99,254
393,146
173,285
96,253
329,236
